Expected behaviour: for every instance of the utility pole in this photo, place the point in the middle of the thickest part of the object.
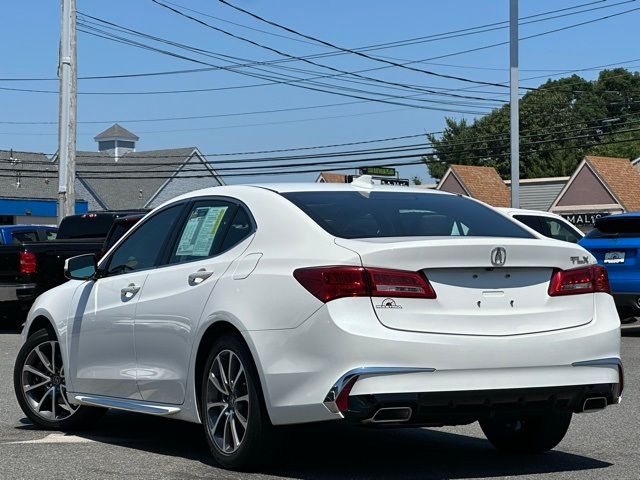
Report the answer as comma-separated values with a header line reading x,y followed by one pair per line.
x,y
514,101
67,110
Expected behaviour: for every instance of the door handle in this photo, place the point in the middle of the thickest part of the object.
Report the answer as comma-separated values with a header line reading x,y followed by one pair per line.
x,y
130,290
199,276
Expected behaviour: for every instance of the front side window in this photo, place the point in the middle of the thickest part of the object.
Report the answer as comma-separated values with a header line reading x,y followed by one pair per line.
x,y
203,231
348,214
143,247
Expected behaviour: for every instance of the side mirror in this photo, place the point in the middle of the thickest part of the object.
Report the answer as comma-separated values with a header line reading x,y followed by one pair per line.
x,y
82,267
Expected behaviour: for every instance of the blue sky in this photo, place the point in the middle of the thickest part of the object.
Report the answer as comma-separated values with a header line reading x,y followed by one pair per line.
x,y
31,35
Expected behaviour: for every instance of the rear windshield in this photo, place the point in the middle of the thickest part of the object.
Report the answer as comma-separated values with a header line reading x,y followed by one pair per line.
x,y
399,214
85,226
614,226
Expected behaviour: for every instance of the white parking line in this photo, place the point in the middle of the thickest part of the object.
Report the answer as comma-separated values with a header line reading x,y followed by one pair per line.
x,y
54,438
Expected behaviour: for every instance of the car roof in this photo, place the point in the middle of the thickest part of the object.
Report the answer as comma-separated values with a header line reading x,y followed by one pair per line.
x,y
525,211
342,187
25,225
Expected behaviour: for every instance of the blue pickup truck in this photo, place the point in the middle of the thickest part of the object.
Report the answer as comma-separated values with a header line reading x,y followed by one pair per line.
x,y
615,242
12,234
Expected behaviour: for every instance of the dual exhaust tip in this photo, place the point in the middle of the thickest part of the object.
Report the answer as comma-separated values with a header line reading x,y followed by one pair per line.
x,y
391,415
403,414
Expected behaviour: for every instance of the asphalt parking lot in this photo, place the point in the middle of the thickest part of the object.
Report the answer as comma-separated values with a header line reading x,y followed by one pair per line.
x,y
123,445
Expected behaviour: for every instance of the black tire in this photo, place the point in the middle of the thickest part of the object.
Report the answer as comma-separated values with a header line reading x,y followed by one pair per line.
x,y
257,439
81,418
531,434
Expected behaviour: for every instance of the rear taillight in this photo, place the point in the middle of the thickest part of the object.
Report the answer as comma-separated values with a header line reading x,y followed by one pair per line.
x,y
398,283
329,283
589,279
28,263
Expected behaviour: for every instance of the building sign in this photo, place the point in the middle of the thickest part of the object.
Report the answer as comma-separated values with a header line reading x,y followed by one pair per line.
x,y
379,171
395,181
582,219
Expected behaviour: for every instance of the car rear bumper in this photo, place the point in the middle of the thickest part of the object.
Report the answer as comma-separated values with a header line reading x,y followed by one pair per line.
x,y
628,304
467,406
345,336
17,292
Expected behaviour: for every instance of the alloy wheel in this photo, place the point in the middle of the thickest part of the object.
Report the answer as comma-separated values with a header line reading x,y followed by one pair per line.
x,y
43,383
227,407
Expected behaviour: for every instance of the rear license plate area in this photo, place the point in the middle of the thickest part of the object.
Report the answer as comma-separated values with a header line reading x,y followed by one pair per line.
x,y
614,257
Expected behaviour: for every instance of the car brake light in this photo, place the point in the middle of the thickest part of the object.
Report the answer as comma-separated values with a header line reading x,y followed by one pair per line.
x,y
398,283
330,283
589,279
28,262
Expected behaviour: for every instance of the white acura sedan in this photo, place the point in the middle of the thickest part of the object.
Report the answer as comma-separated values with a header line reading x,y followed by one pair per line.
x,y
248,307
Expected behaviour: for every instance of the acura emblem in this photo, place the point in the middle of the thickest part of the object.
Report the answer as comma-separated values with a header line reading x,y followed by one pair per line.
x,y
498,256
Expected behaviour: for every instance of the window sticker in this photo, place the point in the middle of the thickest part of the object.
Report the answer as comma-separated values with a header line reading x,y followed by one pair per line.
x,y
200,231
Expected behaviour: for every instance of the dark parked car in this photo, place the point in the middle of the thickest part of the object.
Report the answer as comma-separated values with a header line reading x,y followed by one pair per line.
x,y
29,268
615,242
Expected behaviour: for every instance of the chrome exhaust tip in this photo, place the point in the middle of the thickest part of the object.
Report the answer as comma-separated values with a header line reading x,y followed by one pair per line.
x,y
594,404
391,415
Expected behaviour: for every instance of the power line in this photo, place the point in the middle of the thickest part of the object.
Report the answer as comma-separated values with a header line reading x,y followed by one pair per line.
x,y
365,48
46,174
364,55
392,149
254,63
284,54
269,83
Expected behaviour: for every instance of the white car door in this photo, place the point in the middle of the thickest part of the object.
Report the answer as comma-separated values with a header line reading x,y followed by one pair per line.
x,y
101,337
175,295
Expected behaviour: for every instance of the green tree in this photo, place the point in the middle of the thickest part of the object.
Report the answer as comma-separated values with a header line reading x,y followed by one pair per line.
x,y
560,123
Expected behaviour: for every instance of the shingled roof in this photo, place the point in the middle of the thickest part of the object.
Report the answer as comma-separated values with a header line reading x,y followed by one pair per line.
x,y
330,177
620,177
116,131
135,178
17,182
482,183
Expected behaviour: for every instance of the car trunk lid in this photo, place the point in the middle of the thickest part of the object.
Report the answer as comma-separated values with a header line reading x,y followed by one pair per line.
x,y
484,285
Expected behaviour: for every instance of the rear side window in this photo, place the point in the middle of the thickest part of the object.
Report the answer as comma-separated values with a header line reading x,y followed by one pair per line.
x,y
19,237
397,214
239,229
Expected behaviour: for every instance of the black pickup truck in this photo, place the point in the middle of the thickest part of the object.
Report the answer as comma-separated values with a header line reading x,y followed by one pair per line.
x,y
31,268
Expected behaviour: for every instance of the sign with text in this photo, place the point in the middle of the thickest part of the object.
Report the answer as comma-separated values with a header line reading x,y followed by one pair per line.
x,y
378,171
395,181
587,218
